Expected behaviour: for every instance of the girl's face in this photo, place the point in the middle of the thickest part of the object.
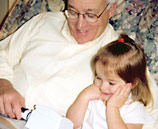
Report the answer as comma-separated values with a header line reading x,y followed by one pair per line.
x,y
107,82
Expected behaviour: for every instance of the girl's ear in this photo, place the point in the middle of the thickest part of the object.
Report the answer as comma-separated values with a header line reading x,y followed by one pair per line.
x,y
135,83
112,9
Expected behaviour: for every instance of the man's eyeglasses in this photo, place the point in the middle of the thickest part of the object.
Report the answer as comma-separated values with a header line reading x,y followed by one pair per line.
x,y
89,17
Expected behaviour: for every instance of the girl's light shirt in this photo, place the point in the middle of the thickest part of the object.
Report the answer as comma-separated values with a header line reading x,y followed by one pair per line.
x,y
95,117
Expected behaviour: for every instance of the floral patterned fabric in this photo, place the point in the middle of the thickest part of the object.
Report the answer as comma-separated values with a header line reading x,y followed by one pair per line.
x,y
26,9
138,18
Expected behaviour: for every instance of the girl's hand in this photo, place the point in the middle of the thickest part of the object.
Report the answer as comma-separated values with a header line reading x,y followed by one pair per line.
x,y
92,92
119,98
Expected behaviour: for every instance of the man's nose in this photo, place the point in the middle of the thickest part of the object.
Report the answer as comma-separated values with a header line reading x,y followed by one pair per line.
x,y
81,22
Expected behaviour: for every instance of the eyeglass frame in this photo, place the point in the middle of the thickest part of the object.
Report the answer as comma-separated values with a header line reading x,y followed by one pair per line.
x,y
78,14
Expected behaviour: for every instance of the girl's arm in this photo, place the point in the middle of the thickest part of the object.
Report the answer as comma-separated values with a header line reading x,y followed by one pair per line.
x,y
77,110
113,116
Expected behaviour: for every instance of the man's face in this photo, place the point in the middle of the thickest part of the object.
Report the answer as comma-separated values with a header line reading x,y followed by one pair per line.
x,y
82,30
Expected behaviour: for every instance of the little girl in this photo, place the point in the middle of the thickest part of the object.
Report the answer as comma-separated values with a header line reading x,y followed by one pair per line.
x,y
120,92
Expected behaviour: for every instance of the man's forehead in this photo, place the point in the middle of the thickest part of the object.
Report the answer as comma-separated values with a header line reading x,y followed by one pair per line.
x,y
87,9
89,5
93,1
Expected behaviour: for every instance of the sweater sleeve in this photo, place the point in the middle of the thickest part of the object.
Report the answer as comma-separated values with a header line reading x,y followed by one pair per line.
x,y
12,48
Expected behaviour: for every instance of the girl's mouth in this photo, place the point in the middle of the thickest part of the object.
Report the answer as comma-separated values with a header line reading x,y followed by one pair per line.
x,y
107,94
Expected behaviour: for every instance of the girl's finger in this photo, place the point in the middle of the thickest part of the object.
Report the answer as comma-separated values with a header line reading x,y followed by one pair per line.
x,y
118,90
126,89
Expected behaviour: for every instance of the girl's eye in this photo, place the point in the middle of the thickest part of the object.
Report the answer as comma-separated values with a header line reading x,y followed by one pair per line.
x,y
111,83
97,77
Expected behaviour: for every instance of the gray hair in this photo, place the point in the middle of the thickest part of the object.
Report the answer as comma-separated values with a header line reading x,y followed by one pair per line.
x,y
111,1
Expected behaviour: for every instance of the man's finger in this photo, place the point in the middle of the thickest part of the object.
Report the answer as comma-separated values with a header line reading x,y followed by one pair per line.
x,y
9,110
17,110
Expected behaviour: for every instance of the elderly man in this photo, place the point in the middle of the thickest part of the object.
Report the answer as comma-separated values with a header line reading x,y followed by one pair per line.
x,y
47,60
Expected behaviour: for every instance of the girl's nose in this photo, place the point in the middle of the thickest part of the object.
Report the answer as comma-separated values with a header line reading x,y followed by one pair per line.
x,y
104,86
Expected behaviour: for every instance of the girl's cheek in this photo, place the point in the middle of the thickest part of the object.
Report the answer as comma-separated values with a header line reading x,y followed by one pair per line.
x,y
114,89
97,83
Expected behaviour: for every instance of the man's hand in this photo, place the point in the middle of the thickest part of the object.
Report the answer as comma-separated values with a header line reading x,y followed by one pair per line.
x,y
10,100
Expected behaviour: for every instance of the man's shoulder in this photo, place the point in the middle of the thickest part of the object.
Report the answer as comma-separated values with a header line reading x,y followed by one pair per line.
x,y
51,15
47,19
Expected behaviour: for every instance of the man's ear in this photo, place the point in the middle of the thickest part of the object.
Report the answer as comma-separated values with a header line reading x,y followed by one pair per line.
x,y
112,9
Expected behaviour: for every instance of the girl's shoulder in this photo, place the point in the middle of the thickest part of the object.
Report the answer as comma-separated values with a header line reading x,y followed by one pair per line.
x,y
133,107
135,112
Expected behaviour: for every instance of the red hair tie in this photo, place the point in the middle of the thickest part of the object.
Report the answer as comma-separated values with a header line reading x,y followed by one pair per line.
x,y
121,40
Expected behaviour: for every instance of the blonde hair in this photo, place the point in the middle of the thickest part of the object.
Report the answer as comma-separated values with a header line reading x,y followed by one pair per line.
x,y
125,58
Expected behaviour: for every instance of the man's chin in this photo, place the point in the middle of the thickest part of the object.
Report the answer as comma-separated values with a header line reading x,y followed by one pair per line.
x,y
83,37
83,40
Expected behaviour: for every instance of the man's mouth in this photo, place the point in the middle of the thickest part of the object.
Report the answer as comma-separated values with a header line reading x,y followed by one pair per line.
x,y
82,31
